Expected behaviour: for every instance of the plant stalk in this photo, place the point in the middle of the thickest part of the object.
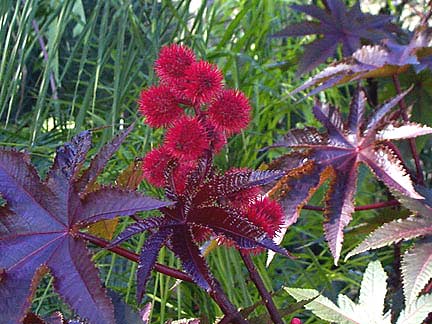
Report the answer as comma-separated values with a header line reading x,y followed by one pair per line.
x,y
216,293
226,306
135,257
265,295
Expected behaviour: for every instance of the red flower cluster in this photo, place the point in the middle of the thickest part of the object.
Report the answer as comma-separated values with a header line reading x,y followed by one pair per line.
x,y
199,114
192,104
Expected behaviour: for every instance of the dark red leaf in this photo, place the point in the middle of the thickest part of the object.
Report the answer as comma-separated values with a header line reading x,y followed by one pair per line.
x,y
338,25
193,263
148,257
100,160
231,224
39,231
204,205
139,227
336,155
107,203
32,318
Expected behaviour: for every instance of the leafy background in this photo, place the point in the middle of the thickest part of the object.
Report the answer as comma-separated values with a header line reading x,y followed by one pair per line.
x,y
99,56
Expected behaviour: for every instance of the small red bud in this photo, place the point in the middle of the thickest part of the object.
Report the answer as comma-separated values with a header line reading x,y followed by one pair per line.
x,y
296,320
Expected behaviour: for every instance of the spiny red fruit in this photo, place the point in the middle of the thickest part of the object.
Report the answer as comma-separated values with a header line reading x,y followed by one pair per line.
x,y
202,82
216,136
154,164
266,213
159,105
172,62
181,173
243,198
187,139
230,111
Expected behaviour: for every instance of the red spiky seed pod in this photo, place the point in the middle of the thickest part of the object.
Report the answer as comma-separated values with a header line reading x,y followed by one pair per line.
x,y
187,139
172,62
202,82
181,173
216,136
154,165
159,106
230,111
219,140
267,214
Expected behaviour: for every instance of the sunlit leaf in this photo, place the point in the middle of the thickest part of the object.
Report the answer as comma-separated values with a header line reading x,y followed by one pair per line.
x,y
336,155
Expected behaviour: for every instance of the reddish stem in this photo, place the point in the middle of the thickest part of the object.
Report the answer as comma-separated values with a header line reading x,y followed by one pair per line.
x,y
135,257
265,295
227,307
378,205
426,17
216,293
412,144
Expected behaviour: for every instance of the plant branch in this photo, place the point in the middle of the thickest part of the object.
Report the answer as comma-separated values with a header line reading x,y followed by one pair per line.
x,y
226,306
403,108
216,293
265,295
378,205
135,257
426,17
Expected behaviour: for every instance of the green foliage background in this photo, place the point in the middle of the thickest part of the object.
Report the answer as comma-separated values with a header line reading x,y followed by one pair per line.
x,y
99,56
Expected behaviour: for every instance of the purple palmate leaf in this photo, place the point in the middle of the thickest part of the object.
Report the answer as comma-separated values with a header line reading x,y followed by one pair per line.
x,y
205,207
100,160
40,231
182,244
338,25
139,227
148,256
375,61
336,156
107,203
416,269
337,215
416,262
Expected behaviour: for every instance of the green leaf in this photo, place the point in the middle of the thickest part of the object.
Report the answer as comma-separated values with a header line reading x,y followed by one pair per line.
x,y
373,290
416,270
371,301
416,312
322,306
